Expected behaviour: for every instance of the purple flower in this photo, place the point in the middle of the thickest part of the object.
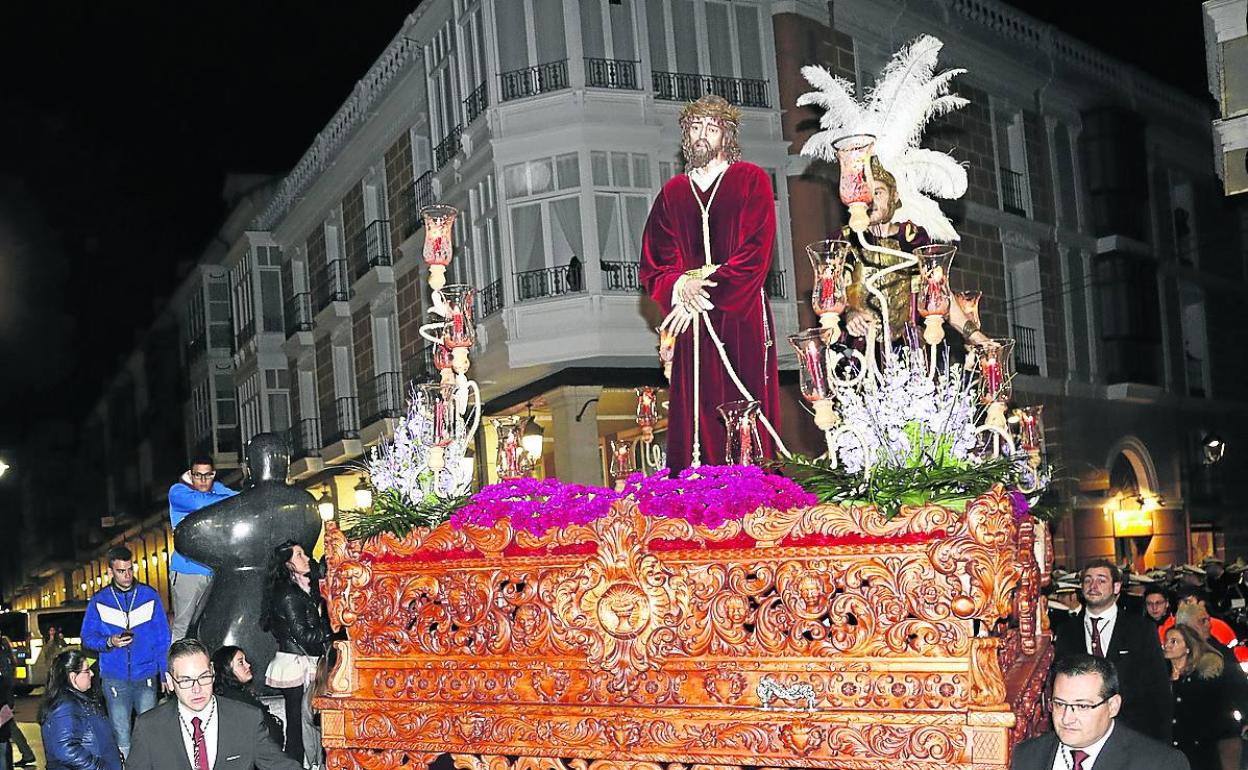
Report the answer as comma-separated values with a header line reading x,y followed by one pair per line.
x,y
1021,506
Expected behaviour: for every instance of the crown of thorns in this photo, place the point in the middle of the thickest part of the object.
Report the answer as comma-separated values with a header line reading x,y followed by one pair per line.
x,y
711,106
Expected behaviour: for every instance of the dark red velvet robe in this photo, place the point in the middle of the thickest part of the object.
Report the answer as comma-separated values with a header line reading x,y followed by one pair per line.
x,y
743,229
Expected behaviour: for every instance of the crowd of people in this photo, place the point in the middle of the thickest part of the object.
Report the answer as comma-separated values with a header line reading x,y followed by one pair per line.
x,y
102,705
1177,673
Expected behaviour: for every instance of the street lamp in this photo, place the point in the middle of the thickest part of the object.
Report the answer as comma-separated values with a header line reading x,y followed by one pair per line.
x,y
325,507
3,467
363,495
1211,445
532,440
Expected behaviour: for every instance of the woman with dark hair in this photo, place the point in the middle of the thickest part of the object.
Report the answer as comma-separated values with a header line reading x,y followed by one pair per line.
x,y
234,681
1203,712
294,613
76,732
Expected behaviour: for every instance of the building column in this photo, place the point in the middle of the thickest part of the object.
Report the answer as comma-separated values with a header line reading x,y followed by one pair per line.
x,y
574,413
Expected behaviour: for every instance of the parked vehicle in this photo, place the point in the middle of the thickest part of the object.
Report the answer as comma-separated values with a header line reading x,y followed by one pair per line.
x,y
37,637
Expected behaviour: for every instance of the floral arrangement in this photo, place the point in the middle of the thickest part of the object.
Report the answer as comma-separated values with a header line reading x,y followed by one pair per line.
x,y
708,496
407,492
914,441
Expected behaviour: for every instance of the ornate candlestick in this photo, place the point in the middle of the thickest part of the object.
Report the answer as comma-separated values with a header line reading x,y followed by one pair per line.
x,y
853,154
828,297
647,418
623,462
439,221
995,362
436,403
1030,431
935,261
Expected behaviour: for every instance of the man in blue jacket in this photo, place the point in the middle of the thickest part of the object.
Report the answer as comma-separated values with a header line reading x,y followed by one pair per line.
x,y
189,580
125,623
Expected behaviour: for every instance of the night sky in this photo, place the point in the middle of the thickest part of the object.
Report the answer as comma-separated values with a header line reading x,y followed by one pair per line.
x,y
119,121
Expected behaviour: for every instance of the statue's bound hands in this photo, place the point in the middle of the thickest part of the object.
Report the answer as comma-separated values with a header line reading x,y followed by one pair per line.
x,y
858,322
678,320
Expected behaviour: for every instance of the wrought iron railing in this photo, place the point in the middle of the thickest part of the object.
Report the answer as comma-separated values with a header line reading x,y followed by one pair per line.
x,y
1013,192
448,148
376,247
777,284
196,346
611,73
475,104
685,87
333,284
381,397
490,300
1026,350
299,313
619,276
531,81
305,438
245,334
419,368
546,282
346,422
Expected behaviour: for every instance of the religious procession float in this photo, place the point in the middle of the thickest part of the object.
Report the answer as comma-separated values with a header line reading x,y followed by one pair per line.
x,y
873,607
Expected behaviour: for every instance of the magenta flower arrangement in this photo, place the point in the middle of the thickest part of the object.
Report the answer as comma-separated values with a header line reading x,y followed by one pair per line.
x,y
709,496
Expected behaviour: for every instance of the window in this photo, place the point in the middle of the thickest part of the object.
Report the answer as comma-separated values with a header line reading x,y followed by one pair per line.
x,y
620,169
1195,342
1012,158
218,311
1024,303
621,220
541,176
607,29
731,42
545,234
277,387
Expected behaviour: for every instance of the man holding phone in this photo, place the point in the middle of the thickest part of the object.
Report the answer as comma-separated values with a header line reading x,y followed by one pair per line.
x,y
125,623
189,580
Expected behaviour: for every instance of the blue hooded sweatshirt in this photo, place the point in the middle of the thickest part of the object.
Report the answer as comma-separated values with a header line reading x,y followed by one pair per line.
x,y
183,501
111,611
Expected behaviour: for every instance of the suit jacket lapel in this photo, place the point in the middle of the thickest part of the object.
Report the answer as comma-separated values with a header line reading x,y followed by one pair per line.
x,y
173,727
1115,753
1050,756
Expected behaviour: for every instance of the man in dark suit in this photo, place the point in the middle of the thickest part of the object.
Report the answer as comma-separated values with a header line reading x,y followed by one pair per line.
x,y
199,731
1086,735
1129,642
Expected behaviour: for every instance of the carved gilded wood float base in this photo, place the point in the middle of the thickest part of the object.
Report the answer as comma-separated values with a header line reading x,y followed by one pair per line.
x,y
825,637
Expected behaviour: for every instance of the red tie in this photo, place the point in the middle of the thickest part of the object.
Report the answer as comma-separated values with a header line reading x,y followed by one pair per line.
x,y
201,747
1078,755
1096,646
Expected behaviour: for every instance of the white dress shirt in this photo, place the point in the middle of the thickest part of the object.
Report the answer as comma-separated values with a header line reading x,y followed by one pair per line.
x,y
1109,619
1064,761
208,721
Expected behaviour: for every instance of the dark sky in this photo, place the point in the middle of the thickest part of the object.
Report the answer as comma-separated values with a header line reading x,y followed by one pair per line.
x,y
119,121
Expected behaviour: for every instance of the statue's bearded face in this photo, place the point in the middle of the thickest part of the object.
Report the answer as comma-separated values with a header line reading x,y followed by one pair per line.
x,y
703,142
883,202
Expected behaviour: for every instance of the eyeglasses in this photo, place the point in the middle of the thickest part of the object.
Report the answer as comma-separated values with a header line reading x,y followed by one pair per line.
x,y
85,671
1078,709
204,476
203,680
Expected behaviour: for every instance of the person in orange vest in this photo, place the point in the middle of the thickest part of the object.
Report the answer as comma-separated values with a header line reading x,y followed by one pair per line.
x,y
1218,629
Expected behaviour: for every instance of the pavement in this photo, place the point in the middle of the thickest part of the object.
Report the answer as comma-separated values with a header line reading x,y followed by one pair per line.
x,y
25,713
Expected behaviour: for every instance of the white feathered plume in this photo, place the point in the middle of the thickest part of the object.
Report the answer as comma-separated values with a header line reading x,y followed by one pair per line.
x,y
906,96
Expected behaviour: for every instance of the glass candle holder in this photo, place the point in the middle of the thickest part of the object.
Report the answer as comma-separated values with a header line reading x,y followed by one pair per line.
x,y
623,460
853,153
935,260
435,403
647,410
513,461
813,376
460,330
828,296
1030,427
995,364
742,445
439,221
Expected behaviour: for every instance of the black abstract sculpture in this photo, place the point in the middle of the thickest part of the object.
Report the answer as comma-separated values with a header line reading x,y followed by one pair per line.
x,y
235,537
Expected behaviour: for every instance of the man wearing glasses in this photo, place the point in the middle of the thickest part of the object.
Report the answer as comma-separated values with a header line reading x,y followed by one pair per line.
x,y
209,732
189,580
1085,702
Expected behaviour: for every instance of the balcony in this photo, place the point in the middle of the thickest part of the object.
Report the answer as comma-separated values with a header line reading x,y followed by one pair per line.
x,y
448,148
475,104
376,247
299,314
305,439
684,87
346,420
611,73
1026,350
531,81
245,335
1013,192
420,368
547,282
381,398
777,284
490,299
332,284
620,277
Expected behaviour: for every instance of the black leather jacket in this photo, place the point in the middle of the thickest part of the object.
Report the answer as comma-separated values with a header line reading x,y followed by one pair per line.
x,y
299,622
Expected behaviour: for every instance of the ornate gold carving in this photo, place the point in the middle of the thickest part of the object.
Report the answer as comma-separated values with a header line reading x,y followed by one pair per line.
x,y
987,683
